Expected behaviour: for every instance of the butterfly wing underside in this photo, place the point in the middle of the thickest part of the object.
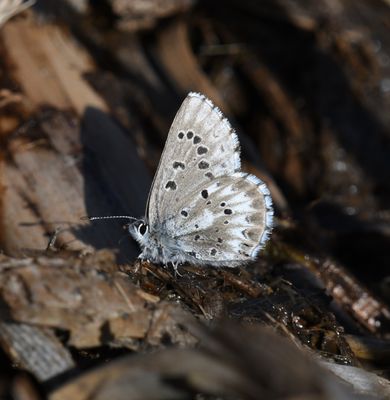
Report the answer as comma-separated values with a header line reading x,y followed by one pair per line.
x,y
225,222
213,213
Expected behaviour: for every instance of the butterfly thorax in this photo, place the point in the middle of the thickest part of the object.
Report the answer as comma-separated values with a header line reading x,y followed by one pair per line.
x,y
157,247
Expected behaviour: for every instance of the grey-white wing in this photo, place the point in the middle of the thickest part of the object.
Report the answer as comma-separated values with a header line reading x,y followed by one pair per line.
x,y
201,145
224,222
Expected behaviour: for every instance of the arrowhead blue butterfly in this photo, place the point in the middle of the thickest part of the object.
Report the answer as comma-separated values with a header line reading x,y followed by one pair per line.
x,y
202,209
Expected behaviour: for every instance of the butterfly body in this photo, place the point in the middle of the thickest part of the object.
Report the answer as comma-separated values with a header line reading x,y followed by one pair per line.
x,y
158,246
202,209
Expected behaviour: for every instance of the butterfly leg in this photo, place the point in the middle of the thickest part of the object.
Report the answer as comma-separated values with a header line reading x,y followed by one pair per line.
x,y
139,261
175,265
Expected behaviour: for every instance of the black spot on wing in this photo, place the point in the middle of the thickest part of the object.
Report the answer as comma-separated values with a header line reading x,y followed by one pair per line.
x,y
171,185
202,150
178,164
203,164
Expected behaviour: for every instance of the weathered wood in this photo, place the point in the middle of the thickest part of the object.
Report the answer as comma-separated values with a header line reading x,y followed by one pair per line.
x,y
54,174
213,370
87,95
87,297
36,350
56,62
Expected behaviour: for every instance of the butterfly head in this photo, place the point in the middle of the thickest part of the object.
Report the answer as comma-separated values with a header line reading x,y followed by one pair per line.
x,y
139,229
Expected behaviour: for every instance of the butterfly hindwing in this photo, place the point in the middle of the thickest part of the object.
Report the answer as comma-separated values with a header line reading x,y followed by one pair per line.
x,y
223,222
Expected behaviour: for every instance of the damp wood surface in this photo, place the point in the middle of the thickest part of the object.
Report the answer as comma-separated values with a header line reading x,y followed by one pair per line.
x,y
88,91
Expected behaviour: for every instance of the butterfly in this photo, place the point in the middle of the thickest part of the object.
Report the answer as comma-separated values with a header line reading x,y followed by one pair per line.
x,y
202,209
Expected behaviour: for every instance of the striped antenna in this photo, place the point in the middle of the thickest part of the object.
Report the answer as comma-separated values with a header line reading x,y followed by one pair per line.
x,y
90,218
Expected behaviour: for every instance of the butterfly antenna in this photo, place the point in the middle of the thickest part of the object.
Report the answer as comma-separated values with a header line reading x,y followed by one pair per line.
x,y
91,218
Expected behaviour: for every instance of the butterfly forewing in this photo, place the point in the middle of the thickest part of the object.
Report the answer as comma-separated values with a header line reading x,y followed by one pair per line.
x,y
201,146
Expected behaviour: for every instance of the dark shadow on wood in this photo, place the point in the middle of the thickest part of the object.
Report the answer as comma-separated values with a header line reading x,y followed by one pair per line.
x,y
116,183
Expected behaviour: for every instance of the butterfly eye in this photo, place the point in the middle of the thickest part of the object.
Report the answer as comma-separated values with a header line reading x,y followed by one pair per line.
x,y
142,229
